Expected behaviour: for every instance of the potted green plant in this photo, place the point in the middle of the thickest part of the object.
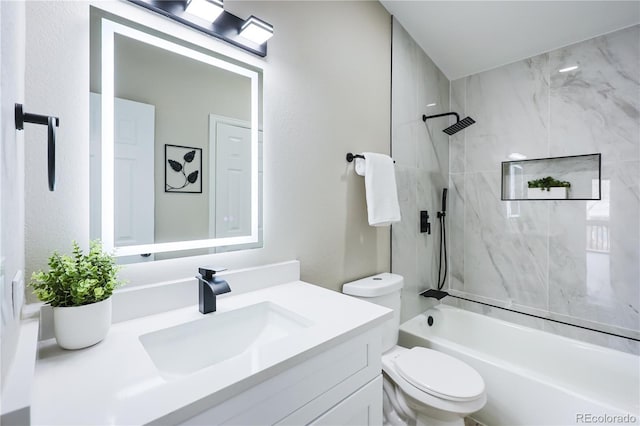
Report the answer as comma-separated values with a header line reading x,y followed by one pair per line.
x,y
548,188
79,289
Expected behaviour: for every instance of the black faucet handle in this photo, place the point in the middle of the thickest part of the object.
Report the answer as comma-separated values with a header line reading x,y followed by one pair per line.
x,y
208,272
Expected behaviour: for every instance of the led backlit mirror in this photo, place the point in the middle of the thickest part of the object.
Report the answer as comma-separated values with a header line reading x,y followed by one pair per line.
x,y
175,146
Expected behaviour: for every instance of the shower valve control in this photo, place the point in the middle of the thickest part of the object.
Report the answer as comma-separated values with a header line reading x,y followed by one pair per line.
x,y
425,226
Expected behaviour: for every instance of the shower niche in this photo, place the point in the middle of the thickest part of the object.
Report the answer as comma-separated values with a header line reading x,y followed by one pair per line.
x,y
575,177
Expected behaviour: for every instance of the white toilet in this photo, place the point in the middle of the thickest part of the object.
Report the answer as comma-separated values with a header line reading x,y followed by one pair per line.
x,y
421,386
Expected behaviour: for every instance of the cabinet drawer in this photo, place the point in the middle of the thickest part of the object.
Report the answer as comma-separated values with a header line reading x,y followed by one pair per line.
x,y
306,390
363,408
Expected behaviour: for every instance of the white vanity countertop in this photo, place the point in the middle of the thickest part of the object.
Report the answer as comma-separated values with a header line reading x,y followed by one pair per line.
x,y
116,382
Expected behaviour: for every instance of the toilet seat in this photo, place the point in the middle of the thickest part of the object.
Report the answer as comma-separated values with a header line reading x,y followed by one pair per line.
x,y
421,397
439,374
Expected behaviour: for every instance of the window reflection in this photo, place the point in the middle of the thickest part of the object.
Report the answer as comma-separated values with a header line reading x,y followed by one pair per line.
x,y
598,243
516,190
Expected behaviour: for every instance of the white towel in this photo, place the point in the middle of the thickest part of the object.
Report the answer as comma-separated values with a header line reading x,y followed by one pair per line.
x,y
380,188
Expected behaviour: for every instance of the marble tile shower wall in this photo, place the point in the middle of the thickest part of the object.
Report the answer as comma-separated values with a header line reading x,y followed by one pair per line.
x,y
544,254
421,153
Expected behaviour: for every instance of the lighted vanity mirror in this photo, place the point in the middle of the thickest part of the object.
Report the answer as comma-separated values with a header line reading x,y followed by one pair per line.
x,y
175,146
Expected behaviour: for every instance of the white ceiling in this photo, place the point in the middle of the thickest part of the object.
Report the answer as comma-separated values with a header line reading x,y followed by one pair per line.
x,y
467,37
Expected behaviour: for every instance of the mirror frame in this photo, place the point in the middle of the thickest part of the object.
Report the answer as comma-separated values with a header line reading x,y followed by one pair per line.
x,y
109,30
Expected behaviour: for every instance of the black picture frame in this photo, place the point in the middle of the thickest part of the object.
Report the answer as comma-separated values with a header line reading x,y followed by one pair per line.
x,y
182,169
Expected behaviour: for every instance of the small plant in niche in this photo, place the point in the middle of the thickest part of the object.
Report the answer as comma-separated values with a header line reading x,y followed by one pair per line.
x,y
79,279
547,183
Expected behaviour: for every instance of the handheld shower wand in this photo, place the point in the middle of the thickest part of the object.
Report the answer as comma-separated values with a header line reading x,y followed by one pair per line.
x,y
438,293
443,212
442,278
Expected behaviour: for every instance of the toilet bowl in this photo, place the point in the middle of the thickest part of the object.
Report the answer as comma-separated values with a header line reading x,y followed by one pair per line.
x,y
438,389
421,386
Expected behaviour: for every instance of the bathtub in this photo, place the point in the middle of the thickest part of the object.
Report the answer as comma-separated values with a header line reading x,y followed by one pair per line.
x,y
533,377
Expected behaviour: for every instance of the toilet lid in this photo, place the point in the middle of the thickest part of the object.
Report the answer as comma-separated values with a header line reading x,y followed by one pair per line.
x,y
439,374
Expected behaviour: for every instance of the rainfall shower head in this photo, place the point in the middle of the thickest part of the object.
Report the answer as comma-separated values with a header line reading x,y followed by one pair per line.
x,y
460,125
455,128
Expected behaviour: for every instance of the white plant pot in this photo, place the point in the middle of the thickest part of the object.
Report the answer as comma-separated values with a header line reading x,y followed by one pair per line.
x,y
78,327
556,193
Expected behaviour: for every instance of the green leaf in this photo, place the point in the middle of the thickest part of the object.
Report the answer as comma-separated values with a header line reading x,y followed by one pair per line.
x,y
547,183
79,279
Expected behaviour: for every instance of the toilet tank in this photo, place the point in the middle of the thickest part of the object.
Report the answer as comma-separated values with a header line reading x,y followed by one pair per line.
x,y
382,289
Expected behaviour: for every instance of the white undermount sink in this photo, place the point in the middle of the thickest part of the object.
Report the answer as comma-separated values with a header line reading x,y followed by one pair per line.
x,y
219,336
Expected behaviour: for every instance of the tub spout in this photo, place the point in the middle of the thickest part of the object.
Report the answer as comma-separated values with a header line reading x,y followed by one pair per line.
x,y
435,294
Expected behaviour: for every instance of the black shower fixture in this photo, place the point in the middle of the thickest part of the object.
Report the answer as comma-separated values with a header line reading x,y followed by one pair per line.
x,y
443,241
454,128
435,294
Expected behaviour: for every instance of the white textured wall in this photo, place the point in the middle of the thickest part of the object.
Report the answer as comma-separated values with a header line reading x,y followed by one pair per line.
x,y
327,92
57,83
12,28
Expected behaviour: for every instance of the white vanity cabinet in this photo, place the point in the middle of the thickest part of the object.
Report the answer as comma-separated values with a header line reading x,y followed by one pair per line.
x,y
338,386
364,407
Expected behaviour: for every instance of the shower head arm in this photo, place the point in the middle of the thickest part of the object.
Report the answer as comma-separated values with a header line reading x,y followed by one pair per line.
x,y
426,117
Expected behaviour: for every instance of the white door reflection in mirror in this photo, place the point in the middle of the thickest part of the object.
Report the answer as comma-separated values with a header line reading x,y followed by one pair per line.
x,y
230,211
134,141
230,148
134,124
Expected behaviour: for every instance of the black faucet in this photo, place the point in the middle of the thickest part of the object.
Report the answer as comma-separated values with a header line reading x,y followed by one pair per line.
x,y
209,287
